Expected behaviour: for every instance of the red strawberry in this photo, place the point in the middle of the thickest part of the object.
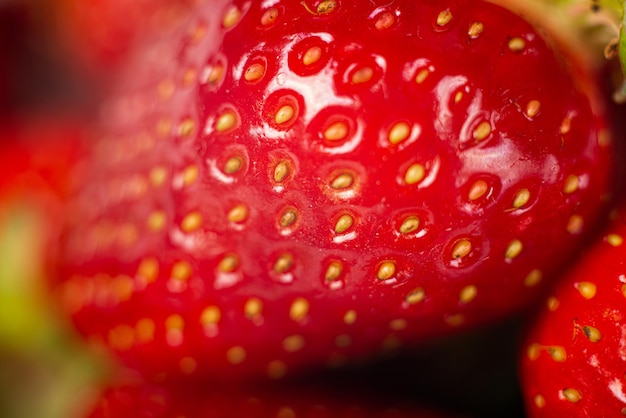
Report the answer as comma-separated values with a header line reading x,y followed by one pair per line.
x,y
280,401
282,184
103,32
574,361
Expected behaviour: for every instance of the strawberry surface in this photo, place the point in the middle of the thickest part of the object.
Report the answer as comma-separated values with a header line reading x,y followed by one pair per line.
x,y
299,401
282,185
574,360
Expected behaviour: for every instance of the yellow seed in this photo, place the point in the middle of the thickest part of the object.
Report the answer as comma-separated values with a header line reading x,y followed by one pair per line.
x,y
571,395
478,190
189,77
174,322
197,33
333,271
211,315
343,223
414,174
299,309
533,278
458,97
293,343
233,165
276,369
461,248
455,320
566,126
312,55
156,220
284,114
188,365
226,121
191,222
286,412
288,218
284,263
571,184
444,18
533,351
254,72
575,224
158,175
163,127
386,270
557,353
552,304
326,6
482,131
614,240
336,131
342,181
238,214
521,198
269,16
468,294
532,108
517,44
281,171
398,324
181,270
475,29
593,334
186,127
148,269
236,355
362,75
399,132
253,308
190,175
144,330
165,89
343,340
410,224
385,21
422,75
228,264
415,296
349,317
586,289
231,18
540,401
215,73
122,337
514,249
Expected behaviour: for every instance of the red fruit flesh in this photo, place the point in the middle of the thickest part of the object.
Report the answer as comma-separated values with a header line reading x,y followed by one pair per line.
x,y
574,359
300,184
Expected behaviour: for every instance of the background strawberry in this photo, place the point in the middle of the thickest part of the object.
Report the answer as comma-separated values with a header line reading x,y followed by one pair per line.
x,y
288,185
573,362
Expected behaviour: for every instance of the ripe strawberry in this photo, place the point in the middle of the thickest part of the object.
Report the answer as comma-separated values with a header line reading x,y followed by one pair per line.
x,y
574,361
300,400
281,185
103,32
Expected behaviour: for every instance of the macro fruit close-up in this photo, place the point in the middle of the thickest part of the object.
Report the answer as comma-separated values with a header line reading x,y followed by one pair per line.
x,y
256,194
573,361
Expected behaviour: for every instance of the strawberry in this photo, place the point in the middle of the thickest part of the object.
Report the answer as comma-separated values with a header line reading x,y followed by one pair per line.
x,y
283,185
282,401
574,362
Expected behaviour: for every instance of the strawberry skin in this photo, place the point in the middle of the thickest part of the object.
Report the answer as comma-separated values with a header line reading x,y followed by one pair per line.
x,y
288,185
280,401
574,361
